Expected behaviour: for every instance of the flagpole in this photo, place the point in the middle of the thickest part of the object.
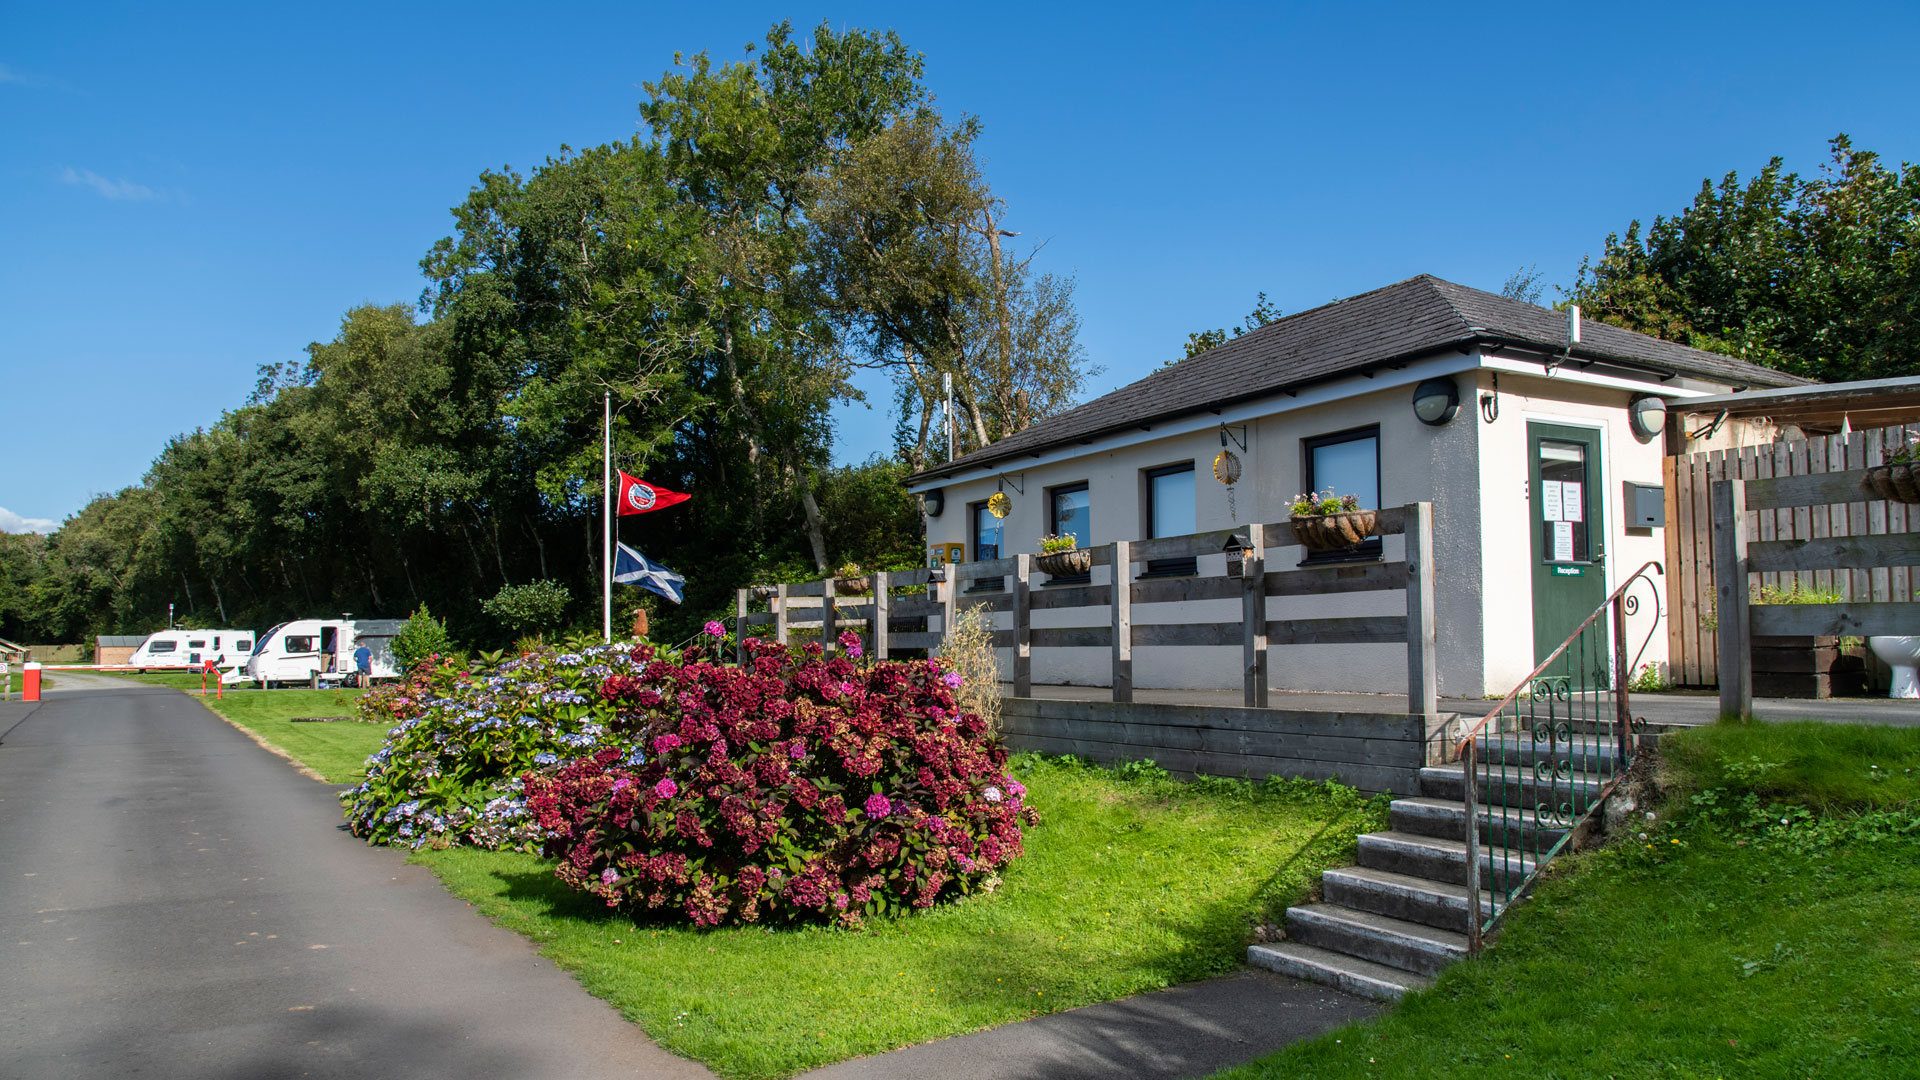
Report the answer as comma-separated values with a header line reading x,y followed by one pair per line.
x,y
606,514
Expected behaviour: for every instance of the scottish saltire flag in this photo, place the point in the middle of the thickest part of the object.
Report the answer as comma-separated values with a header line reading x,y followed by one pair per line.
x,y
632,568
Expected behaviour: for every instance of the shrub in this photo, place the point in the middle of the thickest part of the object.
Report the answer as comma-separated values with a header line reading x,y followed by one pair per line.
x,y
421,637
534,608
968,651
794,788
451,770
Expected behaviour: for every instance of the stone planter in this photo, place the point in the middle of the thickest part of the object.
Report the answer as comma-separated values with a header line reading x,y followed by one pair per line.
x,y
1073,563
1898,483
1331,532
852,586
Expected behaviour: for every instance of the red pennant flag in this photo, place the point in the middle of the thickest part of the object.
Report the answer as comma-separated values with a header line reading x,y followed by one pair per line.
x,y
640,497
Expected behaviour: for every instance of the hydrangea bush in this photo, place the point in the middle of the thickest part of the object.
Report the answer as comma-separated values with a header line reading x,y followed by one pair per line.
x,y
451,770
795,787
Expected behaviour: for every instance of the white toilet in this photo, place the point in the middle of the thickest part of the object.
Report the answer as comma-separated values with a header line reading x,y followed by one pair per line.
x,y
1901,654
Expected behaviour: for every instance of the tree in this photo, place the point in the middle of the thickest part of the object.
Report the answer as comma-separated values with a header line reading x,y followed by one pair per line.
x,y
421,637
1263,314
1524,285
1815,276
910,249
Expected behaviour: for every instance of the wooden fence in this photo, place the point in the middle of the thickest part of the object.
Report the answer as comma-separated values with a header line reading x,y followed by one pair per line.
x,y
1693,654
1843,557
874,612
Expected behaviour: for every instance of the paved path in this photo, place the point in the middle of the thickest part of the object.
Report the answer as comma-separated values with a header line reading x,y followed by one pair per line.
x,y
1188,1031
176,902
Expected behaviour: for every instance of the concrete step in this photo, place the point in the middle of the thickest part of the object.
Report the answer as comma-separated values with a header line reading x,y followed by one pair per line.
x,y
1582,753
1402,896
1381,939
1441,859
1349,973
1512,785
1447,818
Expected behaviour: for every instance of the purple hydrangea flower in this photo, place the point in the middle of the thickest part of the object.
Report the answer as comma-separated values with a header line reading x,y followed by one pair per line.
x,y
878,806
666,788
952,679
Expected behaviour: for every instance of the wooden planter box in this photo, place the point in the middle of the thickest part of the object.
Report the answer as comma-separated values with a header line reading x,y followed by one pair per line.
x,y
1806,667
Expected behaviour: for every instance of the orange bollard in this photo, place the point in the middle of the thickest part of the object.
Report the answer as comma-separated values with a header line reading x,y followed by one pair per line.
x,y
30,681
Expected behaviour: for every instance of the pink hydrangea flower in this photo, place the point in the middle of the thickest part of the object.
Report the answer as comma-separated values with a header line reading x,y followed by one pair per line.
x,y
952,679
609,876
878,806
666,788
714,629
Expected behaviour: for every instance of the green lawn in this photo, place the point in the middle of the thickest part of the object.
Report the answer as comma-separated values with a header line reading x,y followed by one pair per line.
x,y
1707,950
1127,885
337,751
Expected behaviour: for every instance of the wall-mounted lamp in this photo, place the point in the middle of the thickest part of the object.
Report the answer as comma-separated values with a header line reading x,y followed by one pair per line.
x,y
936,573
933,502
1435,401
1490,401
1647,416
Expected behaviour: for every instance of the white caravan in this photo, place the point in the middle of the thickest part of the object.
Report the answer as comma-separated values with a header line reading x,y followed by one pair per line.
x,y
174,650
317,650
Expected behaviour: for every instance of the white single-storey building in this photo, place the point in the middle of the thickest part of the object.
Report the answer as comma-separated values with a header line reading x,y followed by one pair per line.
x,y
1536,437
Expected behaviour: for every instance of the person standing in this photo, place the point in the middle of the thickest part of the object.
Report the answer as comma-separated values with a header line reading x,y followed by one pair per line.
x,y
362,664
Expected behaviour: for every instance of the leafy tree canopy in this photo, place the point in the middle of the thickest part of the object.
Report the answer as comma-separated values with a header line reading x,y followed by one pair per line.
x,y
1818,276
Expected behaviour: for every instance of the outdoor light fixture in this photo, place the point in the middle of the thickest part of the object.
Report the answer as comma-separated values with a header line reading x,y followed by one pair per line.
x,y
1647,415
1435,401
936,573
933,501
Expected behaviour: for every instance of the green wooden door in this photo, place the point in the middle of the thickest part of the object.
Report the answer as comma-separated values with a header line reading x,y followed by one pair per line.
x,y
1566,486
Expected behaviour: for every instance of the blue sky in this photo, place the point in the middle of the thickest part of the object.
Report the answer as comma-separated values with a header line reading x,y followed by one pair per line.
x,y
188,192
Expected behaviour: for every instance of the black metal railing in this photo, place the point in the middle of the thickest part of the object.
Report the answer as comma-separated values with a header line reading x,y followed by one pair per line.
x,y
1547,756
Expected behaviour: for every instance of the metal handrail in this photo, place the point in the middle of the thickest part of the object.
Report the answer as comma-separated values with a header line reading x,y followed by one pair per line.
x,y
1502,877
1514,694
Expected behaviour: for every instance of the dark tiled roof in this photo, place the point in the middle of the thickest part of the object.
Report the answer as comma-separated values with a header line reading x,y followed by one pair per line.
x,y
1387,326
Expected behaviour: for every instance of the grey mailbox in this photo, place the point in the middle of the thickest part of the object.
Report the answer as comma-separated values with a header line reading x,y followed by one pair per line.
x,y
1646,506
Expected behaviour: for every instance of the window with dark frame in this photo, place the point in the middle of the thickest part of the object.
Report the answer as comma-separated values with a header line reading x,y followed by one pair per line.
x,y
987,531
1069,513
1347,463
1170,512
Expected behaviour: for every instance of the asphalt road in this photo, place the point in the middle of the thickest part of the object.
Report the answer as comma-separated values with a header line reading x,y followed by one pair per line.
x,y
176,902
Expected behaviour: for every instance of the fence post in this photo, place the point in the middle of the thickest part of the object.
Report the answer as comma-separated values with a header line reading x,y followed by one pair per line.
x,y
1730,597
1022,626
1253,617
740,628
1470,794
1423,673
949,602
780,614
882,611
1122,574
829,618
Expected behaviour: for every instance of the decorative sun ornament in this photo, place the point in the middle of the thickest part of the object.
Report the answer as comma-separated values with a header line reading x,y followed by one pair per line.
x,y
999,505
1226,467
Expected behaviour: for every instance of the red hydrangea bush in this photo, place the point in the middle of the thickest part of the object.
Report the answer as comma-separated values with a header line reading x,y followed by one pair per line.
x,y
791,788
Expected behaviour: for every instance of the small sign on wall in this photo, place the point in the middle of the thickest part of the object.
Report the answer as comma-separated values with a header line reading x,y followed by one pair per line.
x,y
1563,541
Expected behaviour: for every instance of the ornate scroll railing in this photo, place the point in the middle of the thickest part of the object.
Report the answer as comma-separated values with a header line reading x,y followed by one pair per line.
x,y
1547,756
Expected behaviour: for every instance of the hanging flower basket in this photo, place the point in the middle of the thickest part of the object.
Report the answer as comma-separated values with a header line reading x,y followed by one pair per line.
x,y
1898,483
852,586
1331,532
1065,563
